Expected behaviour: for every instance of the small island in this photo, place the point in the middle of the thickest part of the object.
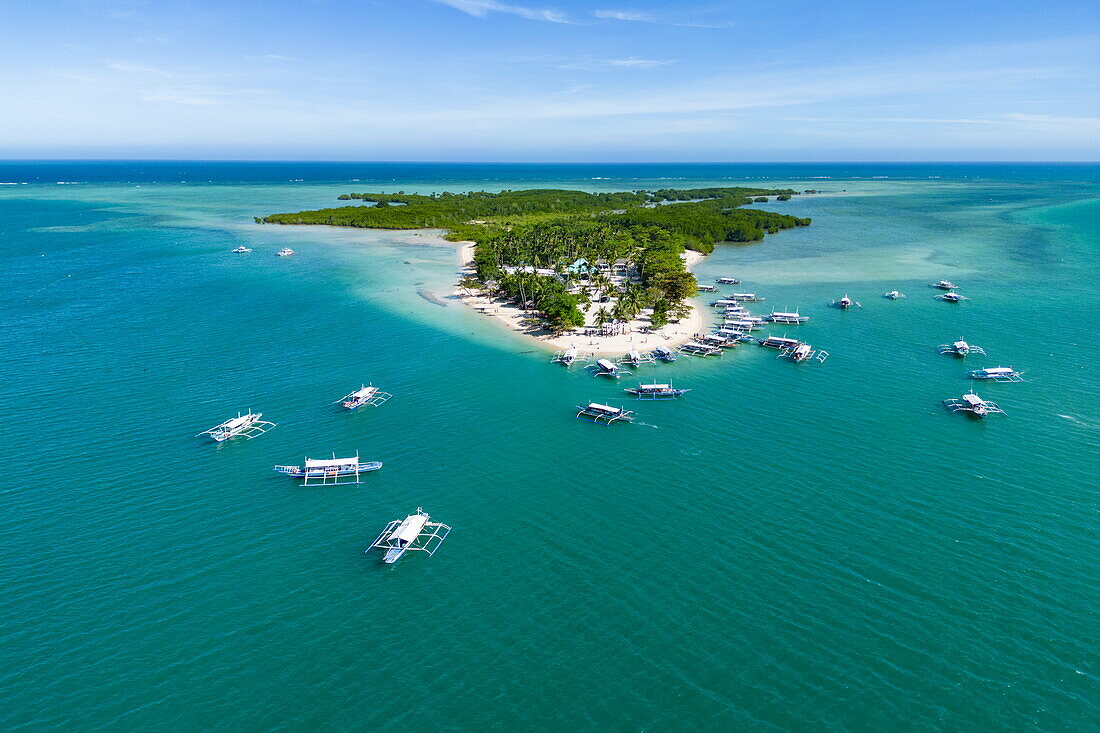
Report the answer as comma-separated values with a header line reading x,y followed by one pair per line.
x,y
563,264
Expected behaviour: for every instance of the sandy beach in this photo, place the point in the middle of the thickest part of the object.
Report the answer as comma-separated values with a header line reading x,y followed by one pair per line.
x,y
516,319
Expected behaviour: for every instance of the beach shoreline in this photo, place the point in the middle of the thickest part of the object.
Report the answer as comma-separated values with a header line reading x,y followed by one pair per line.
x,y
515,318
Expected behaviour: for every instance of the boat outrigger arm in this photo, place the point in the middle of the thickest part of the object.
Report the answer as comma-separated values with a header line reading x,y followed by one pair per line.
x,y
414,532
248,425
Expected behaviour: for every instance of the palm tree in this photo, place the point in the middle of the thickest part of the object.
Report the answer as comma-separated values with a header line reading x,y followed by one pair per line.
x,y
602,317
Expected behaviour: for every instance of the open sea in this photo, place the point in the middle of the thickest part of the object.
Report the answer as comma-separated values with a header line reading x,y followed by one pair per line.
x,y
789,547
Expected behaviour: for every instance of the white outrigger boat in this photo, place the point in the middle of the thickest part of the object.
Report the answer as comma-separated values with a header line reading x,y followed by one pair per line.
x,y
242,250
845,303
727,303
951,297
745,297
893,295
706,288
692,348
788,317
802,352
606,368
727,281
656,391
635,358
960,348
330,471
368,395
664,354
248,425
717,340
945,285
742,324
566,357
973,404
778,342
285,252
414,532
603,414
997,374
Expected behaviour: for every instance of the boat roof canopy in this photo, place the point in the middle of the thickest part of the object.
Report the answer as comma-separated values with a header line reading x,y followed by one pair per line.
x,y
602,408
409,529
330,462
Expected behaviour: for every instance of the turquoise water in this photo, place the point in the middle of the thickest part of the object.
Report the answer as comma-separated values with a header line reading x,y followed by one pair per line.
x,y
789,547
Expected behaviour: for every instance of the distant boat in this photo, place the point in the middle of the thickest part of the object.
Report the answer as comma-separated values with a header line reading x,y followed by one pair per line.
x,y
285,252
365,395
241,250
656,391
997,374
791,317
414,532
973,404
727,281
960,348
330,471
606,368
893,295
951,297
945,285
248,425
845,303
603,414
566,357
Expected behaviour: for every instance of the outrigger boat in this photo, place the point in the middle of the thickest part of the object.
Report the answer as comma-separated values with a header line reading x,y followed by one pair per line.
x,y
893,295
945,285
664,354
791,317
734,334
414,532
997,374
960,348
802,352
951,297
727,281
745,297
845,303
695,349
248,425
973,404
607,368
285,252
706,288
742,324
635,358
726,303
778,342
566,357
241,250
368,395
656,391
603,414
330,472
717,340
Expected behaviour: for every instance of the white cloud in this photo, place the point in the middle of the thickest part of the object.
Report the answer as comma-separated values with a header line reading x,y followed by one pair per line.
x,y
629,15
481,8
627,63
136,68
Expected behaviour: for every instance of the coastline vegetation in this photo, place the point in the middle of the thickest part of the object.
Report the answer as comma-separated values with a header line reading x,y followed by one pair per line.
x,y
562,252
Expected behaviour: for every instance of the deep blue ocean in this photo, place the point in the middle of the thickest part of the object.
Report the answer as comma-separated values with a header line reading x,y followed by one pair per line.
x,y
789,547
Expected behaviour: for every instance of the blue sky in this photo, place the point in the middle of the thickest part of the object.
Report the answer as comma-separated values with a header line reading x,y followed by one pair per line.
x,y
552,80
